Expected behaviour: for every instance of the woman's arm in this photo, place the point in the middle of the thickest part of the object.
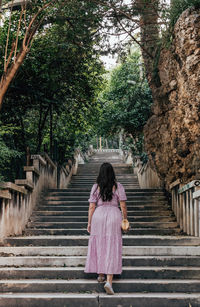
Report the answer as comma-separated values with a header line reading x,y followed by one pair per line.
x,y
123,209
90,214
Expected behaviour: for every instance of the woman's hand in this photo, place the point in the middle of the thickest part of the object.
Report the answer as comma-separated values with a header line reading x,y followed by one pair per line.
x,y
88,228
90,214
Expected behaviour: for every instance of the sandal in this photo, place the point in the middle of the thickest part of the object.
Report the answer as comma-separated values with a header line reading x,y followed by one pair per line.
x,y
109,289
101,278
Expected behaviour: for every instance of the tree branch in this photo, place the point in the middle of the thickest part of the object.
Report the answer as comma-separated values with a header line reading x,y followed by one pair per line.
x,y
18,29
134,39
32,28
8,35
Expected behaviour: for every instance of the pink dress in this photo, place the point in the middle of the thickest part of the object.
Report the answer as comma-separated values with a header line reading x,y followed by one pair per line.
x,y
105,241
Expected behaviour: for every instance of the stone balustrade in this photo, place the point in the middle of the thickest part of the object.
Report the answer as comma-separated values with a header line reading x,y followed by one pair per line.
x,y
185,204
147,177
196,199
107,150
18,199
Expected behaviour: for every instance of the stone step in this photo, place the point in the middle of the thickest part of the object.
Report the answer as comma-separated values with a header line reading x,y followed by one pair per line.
x,y
80,186
137,231
88,189
78,219
88,183
92,180
83,240
84,207
79,261
85,202
85,213
95,163
118,166
82,250
117,163
95,167
96,300
118,173
85,198
82,285
82,225
123,177
85,193
94,171
78,273
46,264
50,299
118,177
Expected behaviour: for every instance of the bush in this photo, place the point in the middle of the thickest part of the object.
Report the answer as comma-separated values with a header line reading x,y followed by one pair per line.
x,y
179,6
10,157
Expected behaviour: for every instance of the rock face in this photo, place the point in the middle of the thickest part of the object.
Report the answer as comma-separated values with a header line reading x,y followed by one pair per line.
x,y
172,134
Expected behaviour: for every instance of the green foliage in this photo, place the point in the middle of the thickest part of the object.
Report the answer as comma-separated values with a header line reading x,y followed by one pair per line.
x,y
126,102
7,153
52,100
169,16
179,6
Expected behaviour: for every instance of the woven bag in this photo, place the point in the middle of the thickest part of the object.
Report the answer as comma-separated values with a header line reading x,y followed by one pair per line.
x,y
125,225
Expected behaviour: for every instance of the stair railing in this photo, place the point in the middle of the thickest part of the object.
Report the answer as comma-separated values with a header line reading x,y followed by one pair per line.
x,y
106,150
185,204
17,200
147,177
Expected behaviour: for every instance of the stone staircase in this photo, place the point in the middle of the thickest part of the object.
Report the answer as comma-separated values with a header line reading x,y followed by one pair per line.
x,y
161,267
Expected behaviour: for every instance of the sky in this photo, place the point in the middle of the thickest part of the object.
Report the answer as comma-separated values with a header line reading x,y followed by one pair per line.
x,y
110,60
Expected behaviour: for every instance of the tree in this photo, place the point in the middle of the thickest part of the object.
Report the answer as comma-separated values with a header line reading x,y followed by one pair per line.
x,y
7,154
126,101
18,43
149,33
55,89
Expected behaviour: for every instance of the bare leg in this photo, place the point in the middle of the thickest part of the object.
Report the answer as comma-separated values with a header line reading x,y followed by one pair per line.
x,y
110,278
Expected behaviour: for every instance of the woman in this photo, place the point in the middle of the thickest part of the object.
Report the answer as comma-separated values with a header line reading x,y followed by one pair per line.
x,y
104,225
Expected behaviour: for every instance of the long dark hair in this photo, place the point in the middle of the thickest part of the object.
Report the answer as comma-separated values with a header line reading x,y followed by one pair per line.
x,y
106,180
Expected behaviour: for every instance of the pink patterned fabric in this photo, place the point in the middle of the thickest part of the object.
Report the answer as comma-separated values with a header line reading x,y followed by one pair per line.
x,y
105,241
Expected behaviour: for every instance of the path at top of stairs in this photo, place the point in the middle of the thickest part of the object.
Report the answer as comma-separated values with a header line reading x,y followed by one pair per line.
x,y
161,266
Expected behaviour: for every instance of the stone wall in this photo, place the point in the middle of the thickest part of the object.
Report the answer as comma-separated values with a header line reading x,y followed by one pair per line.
x,y
172,134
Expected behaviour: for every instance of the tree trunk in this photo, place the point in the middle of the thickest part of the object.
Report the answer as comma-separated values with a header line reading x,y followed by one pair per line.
x,y
31,30
6,80
41,126
100,145
51,131
23,133
107,144
39,131
149,33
